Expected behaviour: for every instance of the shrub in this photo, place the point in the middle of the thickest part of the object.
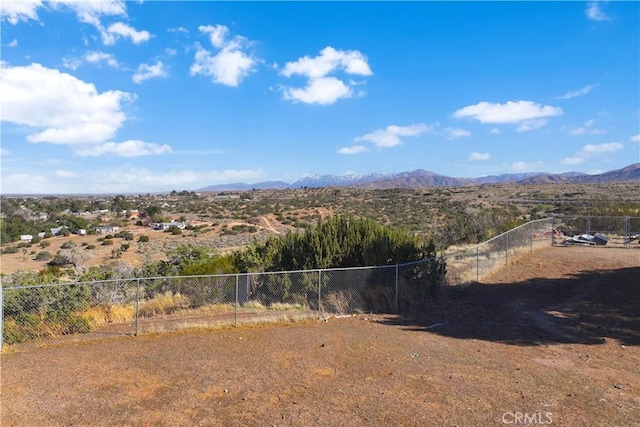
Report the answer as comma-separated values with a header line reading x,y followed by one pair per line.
x,y
126,235
45,243
174,230
143,239
90,247
60,260
10,250
163,304
68,245
107,242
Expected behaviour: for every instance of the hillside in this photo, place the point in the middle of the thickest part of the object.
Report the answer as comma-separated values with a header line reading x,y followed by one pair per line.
x,y
423,179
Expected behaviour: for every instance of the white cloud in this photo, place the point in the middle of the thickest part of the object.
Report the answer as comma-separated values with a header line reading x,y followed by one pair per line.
x,y
494,131
474,157
217,34
146,71
510,112
527,114
524,166
594,11
329,60
528,125
16,11
66,174
582,91
635,138
587,129
453,133
120,29
4,152
231,64
25,183
135,179
122,180
390,136
355,149
575,160
72,63
89,12
59,108
321,88
591,151
170,51
178,30
96,57
608,147
322,91
131,148
12,43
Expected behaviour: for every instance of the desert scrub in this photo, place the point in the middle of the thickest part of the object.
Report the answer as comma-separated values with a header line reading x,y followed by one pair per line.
x,y
163,304
43,256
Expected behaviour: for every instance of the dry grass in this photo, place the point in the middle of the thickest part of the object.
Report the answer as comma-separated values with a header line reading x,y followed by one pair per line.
x,y
163,304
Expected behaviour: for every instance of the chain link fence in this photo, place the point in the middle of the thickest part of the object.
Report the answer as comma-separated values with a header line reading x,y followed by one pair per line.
x,y
471,264
44,314
618,231
33,315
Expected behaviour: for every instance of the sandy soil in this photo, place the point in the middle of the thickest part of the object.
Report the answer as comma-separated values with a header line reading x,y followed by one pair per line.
x,y
554,337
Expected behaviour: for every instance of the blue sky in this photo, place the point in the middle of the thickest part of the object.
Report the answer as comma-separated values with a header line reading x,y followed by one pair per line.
x,y
135,97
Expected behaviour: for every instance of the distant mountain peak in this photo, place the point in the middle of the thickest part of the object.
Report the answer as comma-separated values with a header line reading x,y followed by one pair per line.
x,y
421,178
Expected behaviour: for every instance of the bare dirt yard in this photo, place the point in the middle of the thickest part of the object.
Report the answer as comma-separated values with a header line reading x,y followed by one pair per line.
x,y
553,339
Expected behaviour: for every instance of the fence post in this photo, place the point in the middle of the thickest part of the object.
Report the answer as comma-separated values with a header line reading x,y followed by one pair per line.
x,y
236,308
478,264
531,237
1,316
319,289
506,252
137,304
397,310
553,229
627,232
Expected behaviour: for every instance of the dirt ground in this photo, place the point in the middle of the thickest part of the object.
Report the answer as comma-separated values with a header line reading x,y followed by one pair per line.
x,y
553,339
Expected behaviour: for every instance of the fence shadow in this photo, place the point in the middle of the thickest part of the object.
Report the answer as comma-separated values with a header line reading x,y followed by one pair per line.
x,y
586,309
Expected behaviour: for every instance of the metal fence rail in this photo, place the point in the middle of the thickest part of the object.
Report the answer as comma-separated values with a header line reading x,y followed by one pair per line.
x,y
471,264
73,311
34,315
620,230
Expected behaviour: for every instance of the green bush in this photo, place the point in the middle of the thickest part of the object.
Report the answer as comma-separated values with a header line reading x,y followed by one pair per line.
x,y
90,247
60,260
68,245
174,230
43,256
107,242
10,250
143,239
45,243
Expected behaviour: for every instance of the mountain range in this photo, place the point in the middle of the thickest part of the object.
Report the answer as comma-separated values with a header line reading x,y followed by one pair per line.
x,y
421,178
